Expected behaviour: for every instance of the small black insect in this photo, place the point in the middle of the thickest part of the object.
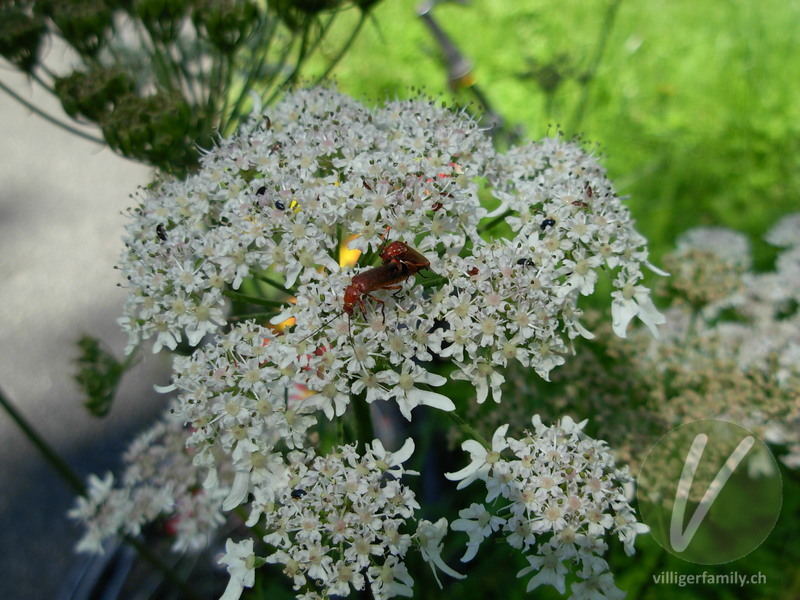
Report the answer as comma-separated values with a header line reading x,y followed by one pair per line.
x,y
280,205
261,191
547,223
525,262
161,232
298,493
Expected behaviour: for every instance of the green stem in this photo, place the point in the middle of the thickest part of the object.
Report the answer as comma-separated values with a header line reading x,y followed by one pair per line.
x,y
50,455
258,301
320,35
262,46
71,478
340,431
468,429
363,420
272,89
605,33
47,87
496,221
48,117
344,48
276,285
433,282
301,58
166,72
218,89
255,315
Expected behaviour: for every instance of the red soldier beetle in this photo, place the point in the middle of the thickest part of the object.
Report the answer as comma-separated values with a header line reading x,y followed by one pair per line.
x,y
404,257
400,262
384,277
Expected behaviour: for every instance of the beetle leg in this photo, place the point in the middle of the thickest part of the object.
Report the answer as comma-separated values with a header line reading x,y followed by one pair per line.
x,y
379,301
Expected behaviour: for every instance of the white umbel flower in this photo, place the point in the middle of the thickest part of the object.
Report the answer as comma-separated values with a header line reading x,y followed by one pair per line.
x,y
240,561
274,203
562,495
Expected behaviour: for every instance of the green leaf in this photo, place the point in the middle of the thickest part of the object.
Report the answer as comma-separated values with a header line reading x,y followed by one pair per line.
x,y
99,374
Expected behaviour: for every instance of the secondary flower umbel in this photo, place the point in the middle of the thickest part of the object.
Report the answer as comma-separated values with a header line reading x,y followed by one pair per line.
x,y
563,495
336,523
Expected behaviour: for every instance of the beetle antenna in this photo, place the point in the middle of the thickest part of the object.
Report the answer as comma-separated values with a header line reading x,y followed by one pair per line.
x,y
338,314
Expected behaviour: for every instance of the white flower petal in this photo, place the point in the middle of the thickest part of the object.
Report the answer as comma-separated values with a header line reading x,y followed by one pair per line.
x,y
239,490
403,454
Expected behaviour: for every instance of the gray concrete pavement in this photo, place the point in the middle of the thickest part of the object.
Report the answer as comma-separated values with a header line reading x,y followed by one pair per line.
x,y
60,235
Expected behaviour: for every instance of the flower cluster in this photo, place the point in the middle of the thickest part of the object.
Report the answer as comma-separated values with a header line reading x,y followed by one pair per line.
x,y
336,525
244,409
736,356
160,480
730,350
273,205
563,495
707,266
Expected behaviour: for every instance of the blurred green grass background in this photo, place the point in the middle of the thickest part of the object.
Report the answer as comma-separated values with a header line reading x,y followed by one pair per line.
x,y
693,102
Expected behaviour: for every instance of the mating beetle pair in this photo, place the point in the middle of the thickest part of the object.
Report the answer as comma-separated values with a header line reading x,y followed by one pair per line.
x,y
400,261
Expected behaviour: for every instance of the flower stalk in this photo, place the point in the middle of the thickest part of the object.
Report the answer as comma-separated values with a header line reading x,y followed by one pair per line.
x,y
68,475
